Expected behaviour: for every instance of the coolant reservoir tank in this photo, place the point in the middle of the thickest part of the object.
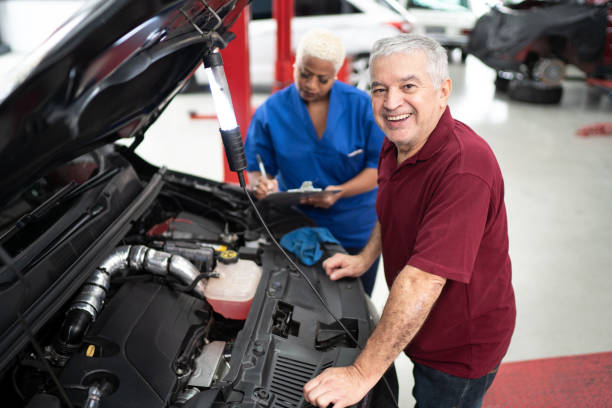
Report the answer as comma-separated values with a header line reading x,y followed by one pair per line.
x,y
232,292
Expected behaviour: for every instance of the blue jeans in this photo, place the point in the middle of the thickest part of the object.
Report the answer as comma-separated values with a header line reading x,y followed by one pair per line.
x,y
369,277
435,389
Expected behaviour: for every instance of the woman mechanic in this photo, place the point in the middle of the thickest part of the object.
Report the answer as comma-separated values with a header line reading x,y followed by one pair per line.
x,y
321,130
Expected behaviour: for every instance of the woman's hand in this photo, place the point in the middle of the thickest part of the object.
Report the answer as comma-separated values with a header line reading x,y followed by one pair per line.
x,y
324,201
264,187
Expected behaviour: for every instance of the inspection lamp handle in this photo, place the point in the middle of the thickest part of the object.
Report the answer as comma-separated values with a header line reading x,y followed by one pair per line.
x,y
234,149
230,131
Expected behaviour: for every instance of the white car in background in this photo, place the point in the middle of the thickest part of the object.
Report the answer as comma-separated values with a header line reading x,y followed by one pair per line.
x,y
358,22
449,22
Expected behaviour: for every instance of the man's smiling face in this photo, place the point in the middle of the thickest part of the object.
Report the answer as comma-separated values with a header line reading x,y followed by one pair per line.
x,y
405,102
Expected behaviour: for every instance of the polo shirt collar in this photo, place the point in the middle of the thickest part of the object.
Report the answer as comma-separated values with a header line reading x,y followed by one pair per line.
x,y
437,139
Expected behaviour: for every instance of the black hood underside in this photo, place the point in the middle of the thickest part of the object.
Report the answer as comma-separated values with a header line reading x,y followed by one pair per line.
x,y
107,73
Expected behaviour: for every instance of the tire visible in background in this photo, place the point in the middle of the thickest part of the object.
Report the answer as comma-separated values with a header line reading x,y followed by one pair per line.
x,y
503,78
527,90
501,84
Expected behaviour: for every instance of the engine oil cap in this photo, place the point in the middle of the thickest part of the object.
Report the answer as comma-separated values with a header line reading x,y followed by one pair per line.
x,y
228,256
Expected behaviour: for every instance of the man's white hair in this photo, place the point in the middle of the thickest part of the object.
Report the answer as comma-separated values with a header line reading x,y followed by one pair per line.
x,y
323,44
437,58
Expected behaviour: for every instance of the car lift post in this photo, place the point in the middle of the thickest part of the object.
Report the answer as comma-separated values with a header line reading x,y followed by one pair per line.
x,y
282,11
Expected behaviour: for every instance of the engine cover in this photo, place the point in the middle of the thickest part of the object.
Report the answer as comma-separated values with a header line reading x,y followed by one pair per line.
x,y
137,339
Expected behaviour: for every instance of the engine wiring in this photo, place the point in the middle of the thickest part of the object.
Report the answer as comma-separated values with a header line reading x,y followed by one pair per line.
x,y
312,287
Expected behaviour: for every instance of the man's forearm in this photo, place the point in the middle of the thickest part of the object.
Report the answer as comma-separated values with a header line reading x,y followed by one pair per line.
x,y
411,298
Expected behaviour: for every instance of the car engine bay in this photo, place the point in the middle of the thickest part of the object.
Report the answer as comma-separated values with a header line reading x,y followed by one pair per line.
x,y
147,287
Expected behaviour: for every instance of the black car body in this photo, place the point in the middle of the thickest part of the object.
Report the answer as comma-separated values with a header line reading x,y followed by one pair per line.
x,y
530,43
107,260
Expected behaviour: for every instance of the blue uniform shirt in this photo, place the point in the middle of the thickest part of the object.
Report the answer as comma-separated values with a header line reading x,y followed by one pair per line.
x,y
283,134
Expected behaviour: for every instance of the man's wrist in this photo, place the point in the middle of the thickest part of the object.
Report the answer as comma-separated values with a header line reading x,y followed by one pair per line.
x,y
368,376
366,260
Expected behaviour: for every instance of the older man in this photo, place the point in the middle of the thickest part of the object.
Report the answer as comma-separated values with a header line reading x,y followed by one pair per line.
x,y
442,231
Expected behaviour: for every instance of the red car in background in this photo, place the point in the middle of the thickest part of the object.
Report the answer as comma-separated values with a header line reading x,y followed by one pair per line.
x,y
530,44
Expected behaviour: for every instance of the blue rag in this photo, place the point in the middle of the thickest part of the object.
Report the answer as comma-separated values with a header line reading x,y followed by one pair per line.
x,y
304,243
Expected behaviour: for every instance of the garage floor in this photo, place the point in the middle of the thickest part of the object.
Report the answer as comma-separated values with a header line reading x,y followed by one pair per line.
x,y
559,200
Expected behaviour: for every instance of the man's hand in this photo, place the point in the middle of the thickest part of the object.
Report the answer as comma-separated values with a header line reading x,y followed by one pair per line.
x,y
341,386
342,265
264,187
324,201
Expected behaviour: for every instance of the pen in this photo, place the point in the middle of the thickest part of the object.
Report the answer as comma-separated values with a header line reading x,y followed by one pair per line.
x,y
355,153
262,169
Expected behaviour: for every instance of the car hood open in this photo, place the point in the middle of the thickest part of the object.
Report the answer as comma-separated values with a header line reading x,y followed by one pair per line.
x,y
106,74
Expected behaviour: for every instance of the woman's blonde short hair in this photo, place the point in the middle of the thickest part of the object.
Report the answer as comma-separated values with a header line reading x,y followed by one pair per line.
x,y
323,44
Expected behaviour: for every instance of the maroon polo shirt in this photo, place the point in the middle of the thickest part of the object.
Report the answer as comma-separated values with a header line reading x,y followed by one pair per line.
x,y
442,211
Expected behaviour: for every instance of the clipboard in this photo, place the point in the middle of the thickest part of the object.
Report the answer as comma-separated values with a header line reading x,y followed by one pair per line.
x,y
286,198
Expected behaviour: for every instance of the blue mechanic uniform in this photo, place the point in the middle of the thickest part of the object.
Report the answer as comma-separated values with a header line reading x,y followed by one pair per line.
x,y
282,133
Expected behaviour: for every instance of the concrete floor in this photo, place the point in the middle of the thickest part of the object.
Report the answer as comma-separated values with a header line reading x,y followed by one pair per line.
x,y
558,198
